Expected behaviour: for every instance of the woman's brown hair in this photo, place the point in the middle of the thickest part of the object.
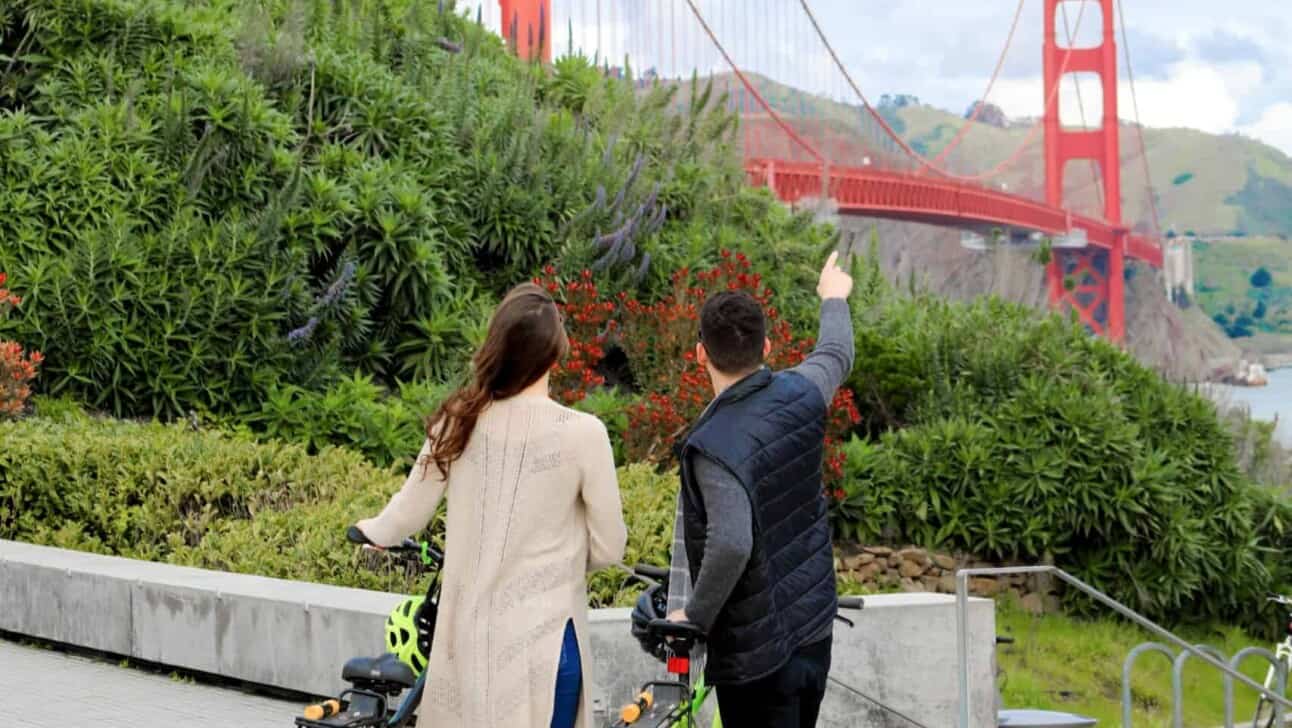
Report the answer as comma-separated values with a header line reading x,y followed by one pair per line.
x,y
526,338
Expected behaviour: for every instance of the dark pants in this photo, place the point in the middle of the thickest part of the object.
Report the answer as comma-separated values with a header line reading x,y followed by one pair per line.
x,y
788,698
569,681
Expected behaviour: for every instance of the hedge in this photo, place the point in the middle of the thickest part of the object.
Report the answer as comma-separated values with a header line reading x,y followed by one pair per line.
x,y
219,501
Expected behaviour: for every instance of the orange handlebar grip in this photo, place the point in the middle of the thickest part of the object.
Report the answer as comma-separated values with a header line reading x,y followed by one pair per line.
x,y
325,709
632,712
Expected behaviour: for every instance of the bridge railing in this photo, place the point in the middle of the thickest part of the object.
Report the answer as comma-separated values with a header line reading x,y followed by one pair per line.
x,y
881,193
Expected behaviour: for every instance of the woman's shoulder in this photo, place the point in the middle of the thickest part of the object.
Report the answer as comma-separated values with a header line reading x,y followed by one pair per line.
x,y
573,422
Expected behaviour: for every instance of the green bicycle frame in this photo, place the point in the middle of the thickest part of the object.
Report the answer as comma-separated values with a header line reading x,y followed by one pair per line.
x,y
699,695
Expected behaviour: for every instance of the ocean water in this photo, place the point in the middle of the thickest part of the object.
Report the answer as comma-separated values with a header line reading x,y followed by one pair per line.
x,y
1266,403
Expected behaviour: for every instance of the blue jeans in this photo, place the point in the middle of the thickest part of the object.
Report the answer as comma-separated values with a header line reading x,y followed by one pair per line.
x,y
569,681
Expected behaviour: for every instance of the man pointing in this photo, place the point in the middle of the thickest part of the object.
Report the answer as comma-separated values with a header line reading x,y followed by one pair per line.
x,y
754,535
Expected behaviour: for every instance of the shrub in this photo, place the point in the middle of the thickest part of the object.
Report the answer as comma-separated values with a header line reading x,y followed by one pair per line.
x,y
356,413
658,340
198,214
307,542
17,367
144,490
219,501
650,505
1261,278
193,317
1014,437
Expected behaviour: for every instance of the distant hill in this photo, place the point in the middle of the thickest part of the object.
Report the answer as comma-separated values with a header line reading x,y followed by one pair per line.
x,y
1209,185
1206,184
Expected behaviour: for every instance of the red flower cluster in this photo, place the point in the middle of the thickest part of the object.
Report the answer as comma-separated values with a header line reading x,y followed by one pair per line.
x,y
588,323
17,368
659,340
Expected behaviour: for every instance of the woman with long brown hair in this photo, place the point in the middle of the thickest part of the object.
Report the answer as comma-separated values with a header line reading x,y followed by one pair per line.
x,y
533,506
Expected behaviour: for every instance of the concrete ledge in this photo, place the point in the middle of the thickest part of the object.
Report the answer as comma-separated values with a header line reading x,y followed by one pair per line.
x,y
296,635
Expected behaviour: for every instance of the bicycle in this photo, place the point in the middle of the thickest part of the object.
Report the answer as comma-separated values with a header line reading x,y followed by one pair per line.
x,y
676,702
376,681
1264,716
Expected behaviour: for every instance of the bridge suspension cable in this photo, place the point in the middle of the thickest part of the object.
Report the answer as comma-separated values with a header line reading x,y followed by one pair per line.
x,y
991,83
923,161
749,87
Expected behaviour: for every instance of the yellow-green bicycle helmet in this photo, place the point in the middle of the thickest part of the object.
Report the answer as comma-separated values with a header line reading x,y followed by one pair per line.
x,y
409,629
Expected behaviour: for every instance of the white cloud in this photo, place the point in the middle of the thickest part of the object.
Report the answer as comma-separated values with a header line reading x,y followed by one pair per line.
x,y
1195,95
1196,66
1274,126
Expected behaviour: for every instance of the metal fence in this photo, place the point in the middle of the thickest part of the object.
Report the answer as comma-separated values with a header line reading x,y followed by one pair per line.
x,y
1201,652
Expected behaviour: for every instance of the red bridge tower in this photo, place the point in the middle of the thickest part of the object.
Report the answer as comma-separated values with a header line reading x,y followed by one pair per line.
x,y
527,27
1090,280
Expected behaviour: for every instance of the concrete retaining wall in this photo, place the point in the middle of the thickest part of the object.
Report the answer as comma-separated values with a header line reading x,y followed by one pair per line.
x,y
296,635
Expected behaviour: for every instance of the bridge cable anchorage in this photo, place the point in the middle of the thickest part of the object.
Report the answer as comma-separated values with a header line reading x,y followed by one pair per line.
x,y
915,156
991,83
1139,127
750,87
1095,172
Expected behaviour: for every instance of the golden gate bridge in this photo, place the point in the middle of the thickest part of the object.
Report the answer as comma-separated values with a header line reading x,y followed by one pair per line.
x,y
867,169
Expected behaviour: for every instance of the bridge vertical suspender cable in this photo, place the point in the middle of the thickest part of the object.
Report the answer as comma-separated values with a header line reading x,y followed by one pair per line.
x,y
1139,127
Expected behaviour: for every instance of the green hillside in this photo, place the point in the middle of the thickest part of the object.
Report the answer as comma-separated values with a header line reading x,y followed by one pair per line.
x,y
1245,285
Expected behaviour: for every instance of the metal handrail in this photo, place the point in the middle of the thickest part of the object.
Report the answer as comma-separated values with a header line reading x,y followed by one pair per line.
x,y
962,629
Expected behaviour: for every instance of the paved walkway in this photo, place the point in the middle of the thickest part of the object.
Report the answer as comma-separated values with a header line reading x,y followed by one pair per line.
x,y
44,688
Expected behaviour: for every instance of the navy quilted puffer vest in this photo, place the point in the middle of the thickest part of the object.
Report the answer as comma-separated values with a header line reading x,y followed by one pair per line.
x,y
769,431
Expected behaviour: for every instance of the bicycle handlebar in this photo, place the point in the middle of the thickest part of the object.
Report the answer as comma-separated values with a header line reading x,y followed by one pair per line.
x,y
685,630
658,573
408,549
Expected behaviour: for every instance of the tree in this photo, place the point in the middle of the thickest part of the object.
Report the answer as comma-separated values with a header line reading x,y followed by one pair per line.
x,y
1262,278
990,114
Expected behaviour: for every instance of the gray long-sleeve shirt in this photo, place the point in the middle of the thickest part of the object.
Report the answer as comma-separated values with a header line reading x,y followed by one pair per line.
x,y
730,531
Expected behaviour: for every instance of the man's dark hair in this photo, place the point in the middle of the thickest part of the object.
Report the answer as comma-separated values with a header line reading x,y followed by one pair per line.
x,y
733,331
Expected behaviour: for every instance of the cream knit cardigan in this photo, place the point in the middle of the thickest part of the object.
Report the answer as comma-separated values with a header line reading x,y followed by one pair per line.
x,y
533,506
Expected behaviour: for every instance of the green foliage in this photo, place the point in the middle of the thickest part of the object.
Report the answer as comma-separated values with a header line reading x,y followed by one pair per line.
x,y
220,501
1265,204
206,201
190,317
650,502
1010,436
1261,278
1073,665
1182,178
1228,273
356,413
611,407
147,490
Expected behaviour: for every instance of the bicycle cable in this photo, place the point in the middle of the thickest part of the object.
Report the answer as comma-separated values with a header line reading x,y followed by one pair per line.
x,y
867,698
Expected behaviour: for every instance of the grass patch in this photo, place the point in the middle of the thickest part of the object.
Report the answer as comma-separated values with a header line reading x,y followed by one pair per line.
x,y
1061,663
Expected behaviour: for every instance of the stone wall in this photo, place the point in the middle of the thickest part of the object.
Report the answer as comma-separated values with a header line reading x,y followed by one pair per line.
x,y
913,569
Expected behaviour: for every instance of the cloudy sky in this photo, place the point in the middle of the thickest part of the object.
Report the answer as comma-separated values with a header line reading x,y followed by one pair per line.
x,y
1215,66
